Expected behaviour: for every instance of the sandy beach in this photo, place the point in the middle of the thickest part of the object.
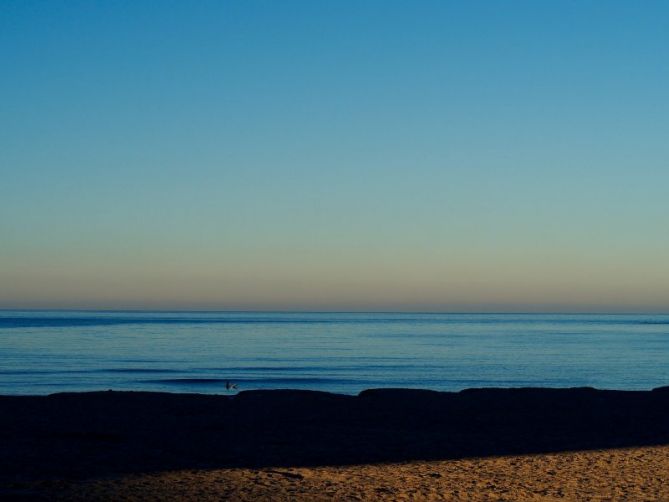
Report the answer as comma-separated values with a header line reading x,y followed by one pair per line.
x,y
626,474
392,444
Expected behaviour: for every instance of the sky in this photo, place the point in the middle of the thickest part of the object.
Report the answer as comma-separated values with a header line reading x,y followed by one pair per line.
x,y
348,155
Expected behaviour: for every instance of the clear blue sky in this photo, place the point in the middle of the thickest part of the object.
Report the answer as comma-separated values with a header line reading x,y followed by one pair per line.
x,y
359,155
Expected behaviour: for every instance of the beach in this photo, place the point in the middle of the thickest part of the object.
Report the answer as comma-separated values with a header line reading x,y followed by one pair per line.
x,y
477,444
622,474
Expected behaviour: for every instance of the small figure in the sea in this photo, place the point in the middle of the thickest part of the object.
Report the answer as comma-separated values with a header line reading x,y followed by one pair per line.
x,y
230,386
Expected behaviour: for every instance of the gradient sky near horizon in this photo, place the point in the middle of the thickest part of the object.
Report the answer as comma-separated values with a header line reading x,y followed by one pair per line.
x,y
375,155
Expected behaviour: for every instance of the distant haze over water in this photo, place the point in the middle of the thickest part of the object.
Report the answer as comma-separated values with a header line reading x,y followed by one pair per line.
x,y
55,351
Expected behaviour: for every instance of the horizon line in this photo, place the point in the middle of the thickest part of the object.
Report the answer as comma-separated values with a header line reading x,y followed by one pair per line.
x,y
315,311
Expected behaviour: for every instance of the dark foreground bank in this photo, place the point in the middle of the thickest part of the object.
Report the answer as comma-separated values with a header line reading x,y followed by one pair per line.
x,y
105,433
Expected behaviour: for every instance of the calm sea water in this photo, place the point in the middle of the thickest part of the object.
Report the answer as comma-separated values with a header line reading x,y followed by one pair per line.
x,y
45,352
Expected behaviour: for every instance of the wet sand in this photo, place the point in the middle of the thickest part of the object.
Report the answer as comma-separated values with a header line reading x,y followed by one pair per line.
x,y
478,444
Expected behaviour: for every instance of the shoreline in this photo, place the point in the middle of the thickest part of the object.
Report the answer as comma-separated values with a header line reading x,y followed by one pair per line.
x,y
364,392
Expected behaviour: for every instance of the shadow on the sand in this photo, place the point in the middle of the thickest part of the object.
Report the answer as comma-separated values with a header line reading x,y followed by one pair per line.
x,y
94,434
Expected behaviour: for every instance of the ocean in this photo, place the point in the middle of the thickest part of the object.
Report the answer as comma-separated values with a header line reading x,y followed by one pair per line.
x,y
43,352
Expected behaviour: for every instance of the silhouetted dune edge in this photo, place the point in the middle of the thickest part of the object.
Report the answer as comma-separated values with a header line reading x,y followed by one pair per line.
x,y
100,433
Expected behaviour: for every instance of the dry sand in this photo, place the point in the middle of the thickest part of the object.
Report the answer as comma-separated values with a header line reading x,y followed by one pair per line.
x,y
634,474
